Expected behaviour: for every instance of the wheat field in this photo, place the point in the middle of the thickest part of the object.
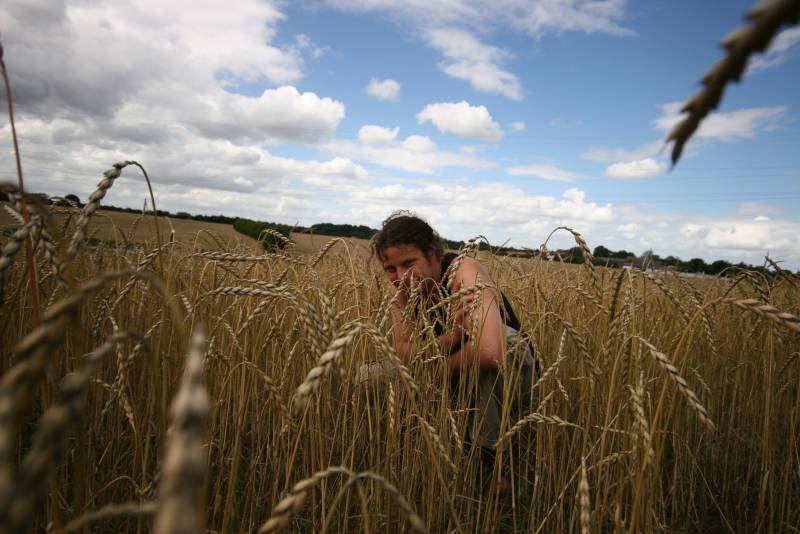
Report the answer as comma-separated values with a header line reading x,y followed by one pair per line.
x,y
189,384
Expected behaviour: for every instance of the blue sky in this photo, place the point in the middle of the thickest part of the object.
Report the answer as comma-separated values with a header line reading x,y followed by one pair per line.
x,y
505,119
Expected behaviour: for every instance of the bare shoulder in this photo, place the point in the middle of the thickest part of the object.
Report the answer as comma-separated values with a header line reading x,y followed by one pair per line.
x,y
471,271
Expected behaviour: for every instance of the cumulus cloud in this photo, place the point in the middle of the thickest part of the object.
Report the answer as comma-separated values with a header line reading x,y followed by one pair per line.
x,y
278,114
517,126
736,238
545,172
415,153
58,49
636,170
502,206
740,236
182,69
477,63
181,160
461,119
370,133
384,90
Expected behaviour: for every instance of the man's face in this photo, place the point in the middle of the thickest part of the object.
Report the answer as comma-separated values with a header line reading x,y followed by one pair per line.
x,y
408,265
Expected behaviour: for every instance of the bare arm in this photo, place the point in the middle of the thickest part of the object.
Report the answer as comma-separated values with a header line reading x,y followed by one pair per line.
x,y
487,346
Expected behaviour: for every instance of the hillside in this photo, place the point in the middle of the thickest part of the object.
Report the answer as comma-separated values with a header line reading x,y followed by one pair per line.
x,y
111,225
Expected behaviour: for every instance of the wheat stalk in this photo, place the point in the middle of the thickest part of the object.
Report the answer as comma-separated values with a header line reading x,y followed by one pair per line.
x,y
560,356
436,440
321,254
670,295
768,311
11,248
583,498
14,214
582,346
641,427
141,267
107,512
588,258
314,377
18,383
291,504
180,507
50,437
765,20
665,363
93,205
538,418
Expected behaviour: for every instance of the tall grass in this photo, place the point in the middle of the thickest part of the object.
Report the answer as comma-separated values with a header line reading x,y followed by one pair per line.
x,y
664,403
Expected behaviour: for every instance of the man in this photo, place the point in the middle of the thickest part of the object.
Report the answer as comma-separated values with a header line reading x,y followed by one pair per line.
x,y
479,334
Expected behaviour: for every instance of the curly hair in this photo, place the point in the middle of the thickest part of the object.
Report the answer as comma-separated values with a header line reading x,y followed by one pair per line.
x,y
405,228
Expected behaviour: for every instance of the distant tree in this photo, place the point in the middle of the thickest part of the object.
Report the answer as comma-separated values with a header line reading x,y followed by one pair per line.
x,y
623,254
454,245
574,255
601,252
183,215
343,230
696,265
717,267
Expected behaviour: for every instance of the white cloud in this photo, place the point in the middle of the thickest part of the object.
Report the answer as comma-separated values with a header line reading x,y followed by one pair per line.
x,y
450,27
629,230
533,18
461,119
736,237
755,209
636,170
384,90
470,60
278,114
725,126
452,207
517,126
778,52
740,236
545,172
370,133
303,42
415,153
608,155
182,67
180,157
545,16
